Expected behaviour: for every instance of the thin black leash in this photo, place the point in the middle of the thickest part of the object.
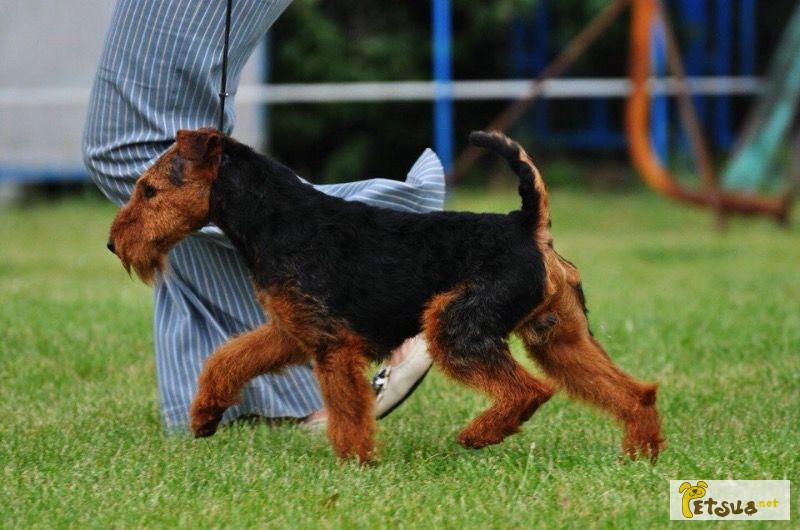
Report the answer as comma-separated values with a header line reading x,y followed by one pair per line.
x,y
223,91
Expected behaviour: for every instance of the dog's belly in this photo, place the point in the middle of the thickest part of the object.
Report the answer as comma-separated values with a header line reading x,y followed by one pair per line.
x,y
386,335
384,317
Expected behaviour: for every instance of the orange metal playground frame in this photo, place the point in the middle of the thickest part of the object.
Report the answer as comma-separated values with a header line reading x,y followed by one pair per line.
x,y
644,15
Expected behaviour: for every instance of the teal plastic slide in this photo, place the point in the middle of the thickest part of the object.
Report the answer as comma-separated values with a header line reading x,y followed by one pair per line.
x,y
754,165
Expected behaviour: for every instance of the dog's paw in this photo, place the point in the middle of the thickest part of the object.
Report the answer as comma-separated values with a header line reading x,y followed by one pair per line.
x,y
643,437
648,448
364,454
473,439
205,420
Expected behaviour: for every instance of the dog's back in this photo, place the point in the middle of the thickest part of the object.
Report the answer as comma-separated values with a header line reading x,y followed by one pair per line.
x,y
377,268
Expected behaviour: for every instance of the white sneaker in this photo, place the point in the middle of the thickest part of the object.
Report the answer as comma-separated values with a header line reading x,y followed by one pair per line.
x,y
393,384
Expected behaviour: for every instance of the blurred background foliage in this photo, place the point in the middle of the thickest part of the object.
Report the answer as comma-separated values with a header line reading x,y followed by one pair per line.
x,y
338,40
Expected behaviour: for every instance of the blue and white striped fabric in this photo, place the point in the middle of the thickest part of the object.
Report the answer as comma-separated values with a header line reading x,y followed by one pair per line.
x,y
160,72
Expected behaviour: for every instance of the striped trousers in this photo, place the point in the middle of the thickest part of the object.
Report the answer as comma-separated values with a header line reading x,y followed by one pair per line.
x,y
159,72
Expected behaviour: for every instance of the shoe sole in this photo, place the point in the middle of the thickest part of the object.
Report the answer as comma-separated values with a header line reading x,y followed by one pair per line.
x,y
407,395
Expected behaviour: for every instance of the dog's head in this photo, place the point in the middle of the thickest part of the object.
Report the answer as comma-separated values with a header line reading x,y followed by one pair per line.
x,y
693,492
170,200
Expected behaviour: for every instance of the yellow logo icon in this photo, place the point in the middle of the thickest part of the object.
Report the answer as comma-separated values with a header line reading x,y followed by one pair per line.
x,y
691,493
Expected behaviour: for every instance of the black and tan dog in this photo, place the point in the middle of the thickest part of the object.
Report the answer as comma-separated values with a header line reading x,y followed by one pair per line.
x,y
345,283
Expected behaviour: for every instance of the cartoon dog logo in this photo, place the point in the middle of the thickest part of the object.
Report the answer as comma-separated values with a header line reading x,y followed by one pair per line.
x,y
689,494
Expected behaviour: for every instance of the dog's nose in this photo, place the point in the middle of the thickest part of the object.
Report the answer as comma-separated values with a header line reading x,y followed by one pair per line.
x,y
110,246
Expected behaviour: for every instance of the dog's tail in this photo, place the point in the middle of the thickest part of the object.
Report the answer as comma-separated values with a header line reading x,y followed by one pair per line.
x,y
535,207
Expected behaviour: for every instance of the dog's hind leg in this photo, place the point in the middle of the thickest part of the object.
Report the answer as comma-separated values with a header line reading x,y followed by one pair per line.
x,y
263,350
578,362
461,348
348,397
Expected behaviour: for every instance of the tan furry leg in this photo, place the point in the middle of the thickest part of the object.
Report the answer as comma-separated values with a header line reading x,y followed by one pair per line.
x,y
485,364
348,398
516,395
585,370
265,349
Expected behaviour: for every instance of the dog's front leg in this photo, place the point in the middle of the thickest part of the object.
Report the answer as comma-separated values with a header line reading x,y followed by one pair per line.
x,y
348,398
265,349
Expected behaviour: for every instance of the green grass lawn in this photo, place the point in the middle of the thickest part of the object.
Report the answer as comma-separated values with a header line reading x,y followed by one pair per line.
x,y
714,318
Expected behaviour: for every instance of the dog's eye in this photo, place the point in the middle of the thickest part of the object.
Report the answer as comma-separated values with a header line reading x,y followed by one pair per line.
x,y
149,191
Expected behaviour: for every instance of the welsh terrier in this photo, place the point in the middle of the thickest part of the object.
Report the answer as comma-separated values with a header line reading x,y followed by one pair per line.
x,y
344,284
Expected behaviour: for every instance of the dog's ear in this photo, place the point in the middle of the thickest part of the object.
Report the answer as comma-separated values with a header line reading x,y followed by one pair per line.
x,y
685,486
702,484
201,145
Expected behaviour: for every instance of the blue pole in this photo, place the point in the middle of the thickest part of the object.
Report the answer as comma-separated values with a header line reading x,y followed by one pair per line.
x,y
722,66
747,33
659,106
442,76
539,62
695,17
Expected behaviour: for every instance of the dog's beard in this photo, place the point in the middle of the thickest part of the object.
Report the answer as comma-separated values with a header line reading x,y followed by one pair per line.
x,y
147,265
